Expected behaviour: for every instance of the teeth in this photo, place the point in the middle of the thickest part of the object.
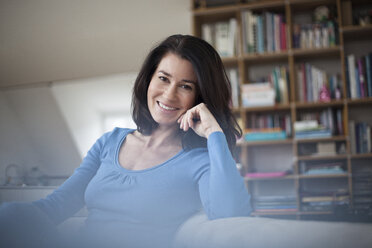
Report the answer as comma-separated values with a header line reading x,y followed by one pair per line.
x,y
165,107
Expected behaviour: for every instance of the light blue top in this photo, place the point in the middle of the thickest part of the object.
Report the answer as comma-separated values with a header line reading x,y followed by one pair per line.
x,y
148,205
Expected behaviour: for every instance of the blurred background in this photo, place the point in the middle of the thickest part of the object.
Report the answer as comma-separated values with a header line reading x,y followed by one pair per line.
x,y
66,74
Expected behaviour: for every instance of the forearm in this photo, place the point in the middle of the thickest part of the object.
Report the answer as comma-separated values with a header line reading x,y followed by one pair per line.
x,y
227,195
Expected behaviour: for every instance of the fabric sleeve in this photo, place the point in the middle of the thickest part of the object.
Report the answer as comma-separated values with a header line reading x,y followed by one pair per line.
x,y
69,197
222,189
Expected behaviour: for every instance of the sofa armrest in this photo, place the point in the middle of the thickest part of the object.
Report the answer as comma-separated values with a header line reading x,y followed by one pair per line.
x,y
258,232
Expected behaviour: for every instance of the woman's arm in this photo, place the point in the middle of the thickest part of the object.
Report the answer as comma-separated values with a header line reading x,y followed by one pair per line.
x,y
69,197
222,189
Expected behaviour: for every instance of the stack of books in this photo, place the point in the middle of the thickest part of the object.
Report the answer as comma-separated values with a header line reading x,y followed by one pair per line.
x,y
222,36
322,168
264,134
322,124
258,94
325,201
359,76
310,129
267,123
285,203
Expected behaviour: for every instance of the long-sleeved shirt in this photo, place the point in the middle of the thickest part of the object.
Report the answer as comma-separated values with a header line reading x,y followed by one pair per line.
x,y
145,207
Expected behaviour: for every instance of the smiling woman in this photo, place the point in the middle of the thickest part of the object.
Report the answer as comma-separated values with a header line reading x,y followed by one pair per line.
x,y
172,90
139,185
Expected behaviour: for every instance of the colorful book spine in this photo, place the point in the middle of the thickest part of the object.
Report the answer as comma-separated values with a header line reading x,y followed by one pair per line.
x,y
369,74
263,136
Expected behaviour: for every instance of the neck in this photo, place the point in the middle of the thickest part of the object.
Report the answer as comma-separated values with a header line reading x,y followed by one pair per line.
x,y
164,136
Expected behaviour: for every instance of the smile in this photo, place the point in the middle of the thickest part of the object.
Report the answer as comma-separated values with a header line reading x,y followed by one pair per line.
x,y
166,107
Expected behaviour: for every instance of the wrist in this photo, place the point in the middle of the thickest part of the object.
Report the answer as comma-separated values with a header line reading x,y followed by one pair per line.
x,y
212,130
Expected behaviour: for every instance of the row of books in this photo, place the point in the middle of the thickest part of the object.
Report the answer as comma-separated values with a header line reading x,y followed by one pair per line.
x,y
319,35
274,203
359,76
266,32
222,36
324,123
360,137
315,85
362,189
268,127
323,198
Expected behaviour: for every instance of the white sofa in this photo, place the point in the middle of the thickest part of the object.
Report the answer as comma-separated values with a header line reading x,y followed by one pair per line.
x,y
198,231
258,232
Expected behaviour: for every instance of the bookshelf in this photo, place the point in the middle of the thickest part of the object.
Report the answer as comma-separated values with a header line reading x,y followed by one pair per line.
x,y
307,63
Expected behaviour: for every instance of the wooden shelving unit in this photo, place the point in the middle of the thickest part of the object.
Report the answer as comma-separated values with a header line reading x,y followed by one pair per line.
x,y
291,57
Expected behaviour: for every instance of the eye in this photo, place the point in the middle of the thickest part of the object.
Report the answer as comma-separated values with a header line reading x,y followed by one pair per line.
x,y
186,87
162,78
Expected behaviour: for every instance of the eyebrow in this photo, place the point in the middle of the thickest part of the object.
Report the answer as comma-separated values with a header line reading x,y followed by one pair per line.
x,y
184,80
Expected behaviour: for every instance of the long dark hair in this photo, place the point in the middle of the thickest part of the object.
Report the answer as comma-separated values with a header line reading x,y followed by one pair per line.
x,y
214,88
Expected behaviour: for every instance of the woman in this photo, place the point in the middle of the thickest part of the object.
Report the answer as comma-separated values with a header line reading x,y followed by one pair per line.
x,y
140,185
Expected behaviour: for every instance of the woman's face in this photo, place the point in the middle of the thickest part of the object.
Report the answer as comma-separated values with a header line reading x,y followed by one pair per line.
x,y
172,90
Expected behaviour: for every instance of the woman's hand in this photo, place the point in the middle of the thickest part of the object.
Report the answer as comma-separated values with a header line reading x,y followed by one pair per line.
x,y
200,119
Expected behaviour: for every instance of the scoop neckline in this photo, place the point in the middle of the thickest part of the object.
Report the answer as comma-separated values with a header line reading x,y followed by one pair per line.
x,y
117,164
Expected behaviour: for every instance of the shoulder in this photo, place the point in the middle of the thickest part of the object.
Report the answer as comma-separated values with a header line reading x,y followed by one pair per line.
x,y
116,133
110,139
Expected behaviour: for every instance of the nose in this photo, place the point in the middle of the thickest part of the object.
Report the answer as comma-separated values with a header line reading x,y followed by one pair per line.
x,y
170,91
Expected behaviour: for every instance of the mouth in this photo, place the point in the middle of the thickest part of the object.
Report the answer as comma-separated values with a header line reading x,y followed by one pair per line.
x,y
165,107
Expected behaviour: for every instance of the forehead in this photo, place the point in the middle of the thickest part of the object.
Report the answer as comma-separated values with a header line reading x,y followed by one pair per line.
x,y
177,67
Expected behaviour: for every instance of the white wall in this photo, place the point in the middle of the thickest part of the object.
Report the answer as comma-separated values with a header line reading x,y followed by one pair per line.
x,y
33,132
85,102
49,40
15,145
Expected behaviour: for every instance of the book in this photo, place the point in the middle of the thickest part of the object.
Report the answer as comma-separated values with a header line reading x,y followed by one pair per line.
x,y
222,38
352,73
232,39
266,174
361,78
257,94
322,133
352,136
369,73
263,136
235,89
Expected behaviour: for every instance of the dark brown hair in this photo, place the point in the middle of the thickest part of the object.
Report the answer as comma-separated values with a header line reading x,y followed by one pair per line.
x,y
214,87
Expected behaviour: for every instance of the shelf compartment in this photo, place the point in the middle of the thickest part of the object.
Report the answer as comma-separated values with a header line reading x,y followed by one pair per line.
x,y
310,105
322,157
333,138
353,32
266,143
266,57
221,10
257,213
273,4
299,5
267,108
361,156
313,52
360,101
251,179
344,175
